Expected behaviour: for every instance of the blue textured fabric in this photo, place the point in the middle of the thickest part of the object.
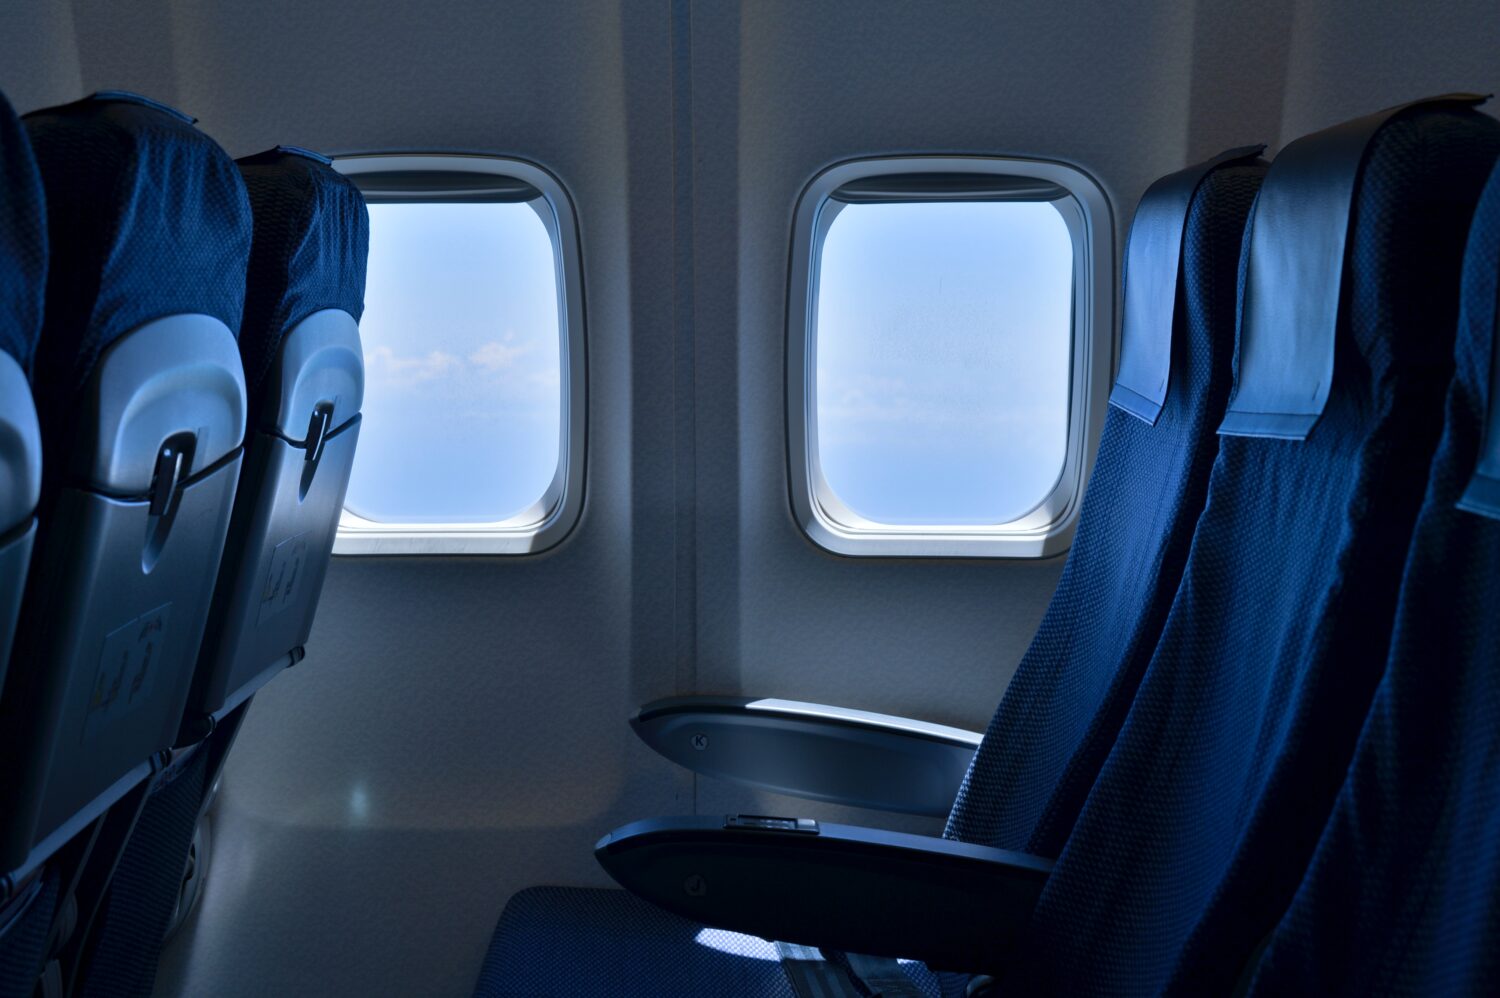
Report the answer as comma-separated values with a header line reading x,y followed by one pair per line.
x,y
147,218
312,235
23,241
1207,810
125,944
1403,894
561,942
1061,711
23,939
573,942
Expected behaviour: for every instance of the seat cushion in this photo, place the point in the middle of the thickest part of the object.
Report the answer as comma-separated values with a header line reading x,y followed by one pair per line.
x,y
564,941
571,942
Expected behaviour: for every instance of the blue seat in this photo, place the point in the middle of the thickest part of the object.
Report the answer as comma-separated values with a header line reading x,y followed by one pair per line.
x,y
1061,711
140,394
1206,812
1059,716
305,377
25,908
1403,894
23,283
304,372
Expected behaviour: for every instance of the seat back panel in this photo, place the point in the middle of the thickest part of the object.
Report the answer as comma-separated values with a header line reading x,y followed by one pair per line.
x,y
283,542
20,448
321,362
175,377
142,406
23,279
305,371
119,671
20,486
15,556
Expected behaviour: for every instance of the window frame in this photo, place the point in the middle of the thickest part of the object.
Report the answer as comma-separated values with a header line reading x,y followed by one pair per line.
x,y
462,177
1048,529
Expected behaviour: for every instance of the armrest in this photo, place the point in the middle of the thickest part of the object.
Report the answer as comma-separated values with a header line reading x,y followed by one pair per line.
x,y
861,890
814,751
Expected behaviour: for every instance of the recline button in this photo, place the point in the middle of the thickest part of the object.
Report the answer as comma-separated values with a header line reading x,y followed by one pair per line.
x,y
771,823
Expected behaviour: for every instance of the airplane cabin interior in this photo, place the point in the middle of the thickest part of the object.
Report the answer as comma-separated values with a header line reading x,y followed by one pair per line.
x,y
749,498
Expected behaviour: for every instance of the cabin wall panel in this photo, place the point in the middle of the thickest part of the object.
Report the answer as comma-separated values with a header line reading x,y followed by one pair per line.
x,y
833,81
1350,57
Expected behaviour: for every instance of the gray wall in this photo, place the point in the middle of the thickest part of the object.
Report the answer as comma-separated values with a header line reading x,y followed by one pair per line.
x,y
457,730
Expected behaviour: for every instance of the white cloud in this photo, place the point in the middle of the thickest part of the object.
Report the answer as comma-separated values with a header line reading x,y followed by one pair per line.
x,y
384,363
497,356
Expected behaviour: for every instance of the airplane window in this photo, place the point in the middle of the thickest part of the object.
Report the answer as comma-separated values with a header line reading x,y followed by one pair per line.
x,y
472,433
943,336
949,338
463,392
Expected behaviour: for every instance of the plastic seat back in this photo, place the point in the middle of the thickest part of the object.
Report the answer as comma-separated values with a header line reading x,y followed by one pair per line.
x,y
25,909
141,396
23,277
1205,813
304,371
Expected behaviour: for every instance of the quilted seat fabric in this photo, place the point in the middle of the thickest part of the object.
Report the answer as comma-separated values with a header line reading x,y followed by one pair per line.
x,y
312,236
1061,712
1403,894
23,241
1209,806
129,184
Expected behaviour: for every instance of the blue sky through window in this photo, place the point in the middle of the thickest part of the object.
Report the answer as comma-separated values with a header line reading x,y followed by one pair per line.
x,y
463,398
943,338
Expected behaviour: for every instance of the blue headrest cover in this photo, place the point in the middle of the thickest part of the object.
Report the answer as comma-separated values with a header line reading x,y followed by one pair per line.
x,y
1153,279
147,218
1482,313
23,242
312,235
1292,291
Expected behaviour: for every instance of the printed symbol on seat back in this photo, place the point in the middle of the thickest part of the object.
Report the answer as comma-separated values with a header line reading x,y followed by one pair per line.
x,y
288,561
127,669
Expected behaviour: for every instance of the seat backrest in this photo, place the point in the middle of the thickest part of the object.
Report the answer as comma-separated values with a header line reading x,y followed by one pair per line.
x,y
304,372
141,397
1062,710
25,909
1403,893
1206,811
23,280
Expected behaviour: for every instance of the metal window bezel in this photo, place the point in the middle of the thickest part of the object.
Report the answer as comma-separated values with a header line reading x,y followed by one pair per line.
x,y
1048,528
547,522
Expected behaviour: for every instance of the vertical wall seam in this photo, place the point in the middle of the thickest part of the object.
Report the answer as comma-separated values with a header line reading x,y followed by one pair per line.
x,y
684,362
